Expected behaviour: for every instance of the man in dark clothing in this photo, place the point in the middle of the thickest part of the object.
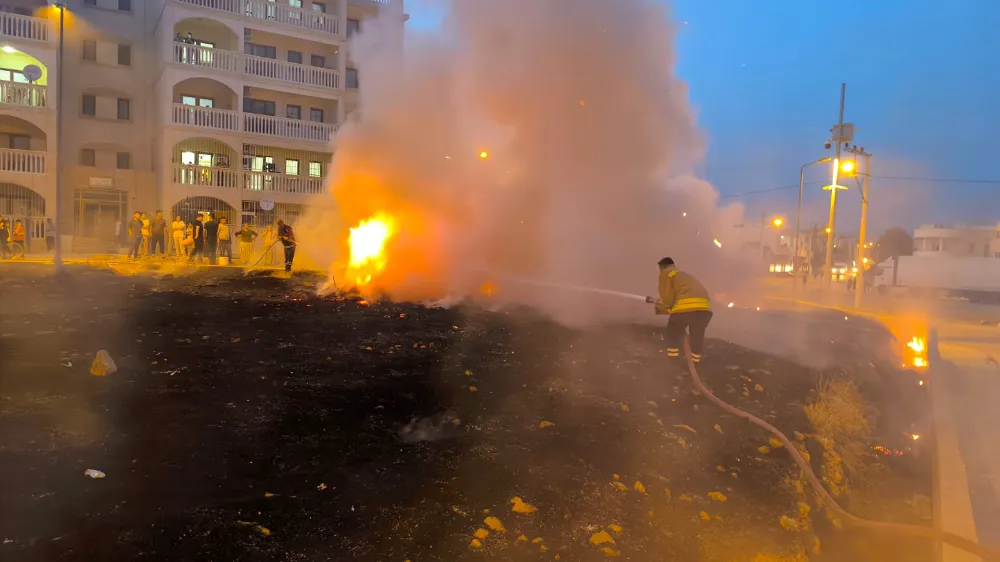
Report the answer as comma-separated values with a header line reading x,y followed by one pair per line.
x,y
686,300
135,235
287,237
158,233
212,238
4,235
198,235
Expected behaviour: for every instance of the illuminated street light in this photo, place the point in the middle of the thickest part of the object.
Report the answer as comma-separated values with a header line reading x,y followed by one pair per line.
x,y
778,222
483,155
848,167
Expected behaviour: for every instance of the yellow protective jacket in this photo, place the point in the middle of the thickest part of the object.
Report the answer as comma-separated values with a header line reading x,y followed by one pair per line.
x,y
681,292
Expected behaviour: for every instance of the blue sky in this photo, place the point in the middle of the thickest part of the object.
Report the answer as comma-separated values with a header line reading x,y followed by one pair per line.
x,y
923,90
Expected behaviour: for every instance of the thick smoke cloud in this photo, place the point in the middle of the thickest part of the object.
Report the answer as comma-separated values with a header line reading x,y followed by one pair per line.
x,y
592,145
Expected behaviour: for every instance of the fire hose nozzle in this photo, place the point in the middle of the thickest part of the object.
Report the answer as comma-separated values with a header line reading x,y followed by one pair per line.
x,y
651,300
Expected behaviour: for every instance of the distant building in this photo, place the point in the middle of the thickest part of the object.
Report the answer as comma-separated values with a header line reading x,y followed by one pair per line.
x,y
957,241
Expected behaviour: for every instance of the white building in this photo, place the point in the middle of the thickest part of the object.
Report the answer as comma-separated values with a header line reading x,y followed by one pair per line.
x,y
179,105
957,241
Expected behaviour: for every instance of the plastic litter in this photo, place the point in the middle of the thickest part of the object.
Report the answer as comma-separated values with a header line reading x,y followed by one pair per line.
x,y
103,364
96,474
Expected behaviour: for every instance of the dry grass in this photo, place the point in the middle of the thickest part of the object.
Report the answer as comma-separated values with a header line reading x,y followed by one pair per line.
x,y
841,424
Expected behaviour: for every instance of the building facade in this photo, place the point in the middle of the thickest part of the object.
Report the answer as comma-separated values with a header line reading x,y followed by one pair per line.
x,y
229,106
957,241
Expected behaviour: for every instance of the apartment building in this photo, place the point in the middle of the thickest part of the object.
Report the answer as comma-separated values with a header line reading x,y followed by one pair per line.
x,y
229,106
936,240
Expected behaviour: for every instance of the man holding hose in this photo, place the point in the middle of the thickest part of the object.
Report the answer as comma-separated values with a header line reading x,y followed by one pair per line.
x,y
686,301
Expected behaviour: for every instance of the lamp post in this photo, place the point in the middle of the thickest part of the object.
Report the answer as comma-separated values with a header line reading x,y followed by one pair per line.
x,y
798,216
61,6
849,168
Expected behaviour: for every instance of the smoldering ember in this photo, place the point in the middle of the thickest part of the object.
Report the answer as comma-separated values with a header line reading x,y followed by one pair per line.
x,y
248,418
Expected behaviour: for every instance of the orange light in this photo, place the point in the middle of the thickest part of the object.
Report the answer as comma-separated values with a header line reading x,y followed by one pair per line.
x,y
848,167
488,289
778,222
827,229
483,155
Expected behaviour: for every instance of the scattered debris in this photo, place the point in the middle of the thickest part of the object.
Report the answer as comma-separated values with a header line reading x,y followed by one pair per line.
x,y
520,506
103,364
96,474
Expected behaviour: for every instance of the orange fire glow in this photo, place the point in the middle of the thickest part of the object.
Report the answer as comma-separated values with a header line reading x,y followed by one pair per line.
x,y
367,244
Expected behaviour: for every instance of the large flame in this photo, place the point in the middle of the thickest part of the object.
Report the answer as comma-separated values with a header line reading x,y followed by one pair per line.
x,y
368,252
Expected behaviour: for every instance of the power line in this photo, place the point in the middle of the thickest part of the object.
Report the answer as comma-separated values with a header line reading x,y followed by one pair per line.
x,y
897,178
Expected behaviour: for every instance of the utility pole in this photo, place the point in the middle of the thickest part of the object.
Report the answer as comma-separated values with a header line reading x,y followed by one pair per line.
x,y
859,286
763,217
798,220
837,139
60,59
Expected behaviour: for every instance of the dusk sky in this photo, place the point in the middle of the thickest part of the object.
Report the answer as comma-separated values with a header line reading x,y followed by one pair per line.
x,y
923,90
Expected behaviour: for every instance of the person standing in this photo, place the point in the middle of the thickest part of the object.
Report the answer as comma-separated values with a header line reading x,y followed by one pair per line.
x,y
135,236
247,236
270,240
211,228
287,237
225,240
158,234
686,300
50,235
4,238
177,235
198,235
146,232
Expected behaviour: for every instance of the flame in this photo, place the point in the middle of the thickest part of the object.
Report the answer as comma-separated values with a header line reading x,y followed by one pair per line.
x,y
367,242
488,289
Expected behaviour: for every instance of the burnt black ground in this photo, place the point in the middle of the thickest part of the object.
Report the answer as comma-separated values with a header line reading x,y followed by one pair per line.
x,y
243,404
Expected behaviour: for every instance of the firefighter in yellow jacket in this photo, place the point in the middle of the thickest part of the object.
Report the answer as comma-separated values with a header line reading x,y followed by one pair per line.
x,y
686,301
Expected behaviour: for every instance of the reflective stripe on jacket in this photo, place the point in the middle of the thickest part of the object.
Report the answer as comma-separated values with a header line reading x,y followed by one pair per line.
x,y
681,292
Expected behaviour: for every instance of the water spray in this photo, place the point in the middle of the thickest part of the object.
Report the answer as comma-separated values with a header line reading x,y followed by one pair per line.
x,y
620,294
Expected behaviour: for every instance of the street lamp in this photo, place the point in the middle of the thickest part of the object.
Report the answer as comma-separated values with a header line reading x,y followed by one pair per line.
x,y
849,167
775,222
483,155
61,6
798,215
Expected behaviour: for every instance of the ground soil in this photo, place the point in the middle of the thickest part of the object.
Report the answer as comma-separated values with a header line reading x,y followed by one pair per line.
x,y
251,420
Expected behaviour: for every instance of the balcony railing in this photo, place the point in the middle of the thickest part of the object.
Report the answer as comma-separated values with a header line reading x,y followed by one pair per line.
x,y
274,12
24,161
25,27
283,183
206,176
291,72
207,117
29,95
205,58
288,128
236,121
262,67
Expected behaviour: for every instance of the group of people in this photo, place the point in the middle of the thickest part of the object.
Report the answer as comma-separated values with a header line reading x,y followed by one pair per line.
x,y
205,237
10,234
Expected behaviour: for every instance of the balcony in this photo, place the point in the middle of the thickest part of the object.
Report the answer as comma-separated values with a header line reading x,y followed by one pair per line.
x,y
23,95
259,67
22,161
250,123
273,69
16,26
227,178
273,12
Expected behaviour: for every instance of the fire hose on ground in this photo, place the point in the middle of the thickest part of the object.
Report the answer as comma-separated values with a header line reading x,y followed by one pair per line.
x,y
843,515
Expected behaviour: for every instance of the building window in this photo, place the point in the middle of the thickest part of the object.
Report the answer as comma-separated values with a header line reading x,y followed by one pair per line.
x,y
319,7
125,55
90,2
295,3
258,107
89,49
315,115
353,27
124,161
124,109
292,167
316,169
265,51
295,56
8,75
89,105
318,60
88,157
20,142
293,111
352,78
197,101
124,5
